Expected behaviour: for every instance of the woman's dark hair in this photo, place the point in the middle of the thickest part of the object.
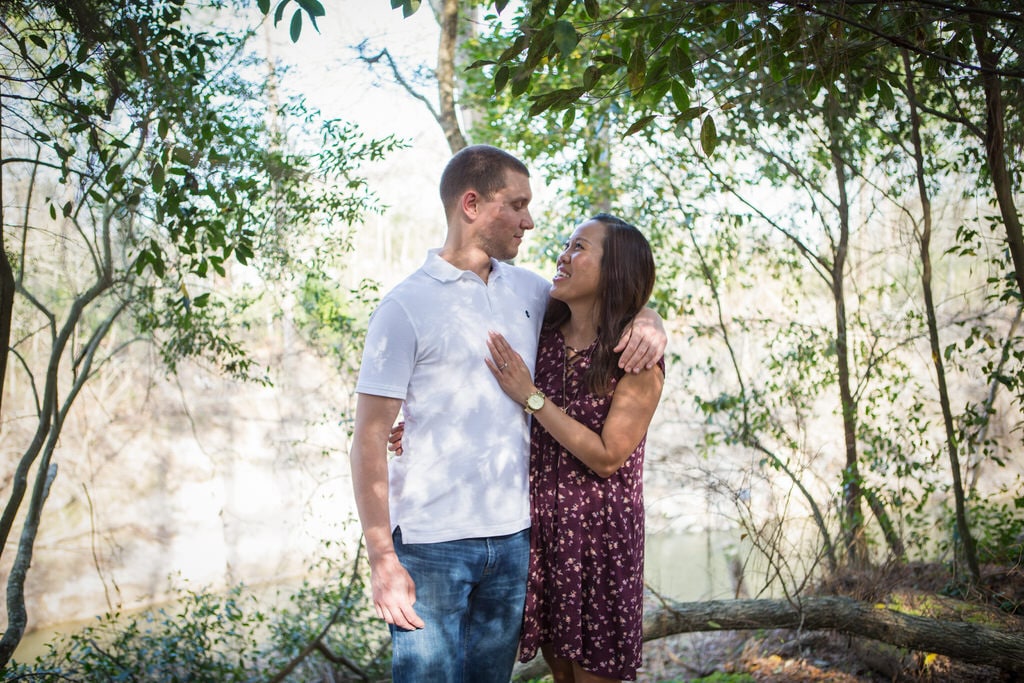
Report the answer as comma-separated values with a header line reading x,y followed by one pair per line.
x,y
626,283
478,167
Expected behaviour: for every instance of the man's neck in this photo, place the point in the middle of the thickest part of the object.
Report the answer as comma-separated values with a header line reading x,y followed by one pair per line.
x,y
467,258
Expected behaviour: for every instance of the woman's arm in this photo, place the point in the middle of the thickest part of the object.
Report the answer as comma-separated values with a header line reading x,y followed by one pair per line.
x,y
633,404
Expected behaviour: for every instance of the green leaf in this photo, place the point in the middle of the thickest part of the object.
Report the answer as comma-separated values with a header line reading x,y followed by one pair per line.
x,y
885,95
565,37
38,40
53,212
568,117
514,50
264,6
638,125
67,209
637,67
690,114
590,77
732,31
181,155
157,178
296,28
409,7
680,96
201,300
557,99
708,135
243,253
593,10
313,8
539,44
279,13
114,172
612,61
561,6
501,78
56,72
521,81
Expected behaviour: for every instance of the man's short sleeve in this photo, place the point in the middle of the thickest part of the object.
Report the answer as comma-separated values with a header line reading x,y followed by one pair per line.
x,y
389,354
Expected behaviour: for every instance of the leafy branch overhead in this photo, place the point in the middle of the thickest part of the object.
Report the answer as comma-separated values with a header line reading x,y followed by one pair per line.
x,y
654,54
312,9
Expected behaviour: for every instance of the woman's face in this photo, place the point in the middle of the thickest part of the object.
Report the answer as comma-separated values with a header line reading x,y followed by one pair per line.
x,y
579,266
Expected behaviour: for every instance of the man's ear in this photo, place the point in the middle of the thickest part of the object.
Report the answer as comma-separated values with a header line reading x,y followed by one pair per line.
x,y
470,203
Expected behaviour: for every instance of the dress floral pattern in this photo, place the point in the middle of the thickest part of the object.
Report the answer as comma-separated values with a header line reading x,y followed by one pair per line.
x,y
585,588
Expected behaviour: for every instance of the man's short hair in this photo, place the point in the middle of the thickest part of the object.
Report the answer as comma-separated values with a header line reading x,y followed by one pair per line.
x,y
477,167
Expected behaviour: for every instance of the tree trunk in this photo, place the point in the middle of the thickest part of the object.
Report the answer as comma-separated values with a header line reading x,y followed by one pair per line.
x,y
995,148
448,20
6,297
6,311
925,237
853,517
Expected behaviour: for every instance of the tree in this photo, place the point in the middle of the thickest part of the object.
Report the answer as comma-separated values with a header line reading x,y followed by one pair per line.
x,y
141,159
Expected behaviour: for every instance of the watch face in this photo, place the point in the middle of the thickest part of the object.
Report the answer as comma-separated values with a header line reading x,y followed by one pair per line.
x,y
535,401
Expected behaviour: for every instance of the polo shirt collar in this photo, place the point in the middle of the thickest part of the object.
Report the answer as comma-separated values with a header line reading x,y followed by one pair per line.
x,y
439,269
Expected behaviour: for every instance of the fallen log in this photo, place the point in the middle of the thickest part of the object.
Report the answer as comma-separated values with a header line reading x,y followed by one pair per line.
x,y
972,643
967,642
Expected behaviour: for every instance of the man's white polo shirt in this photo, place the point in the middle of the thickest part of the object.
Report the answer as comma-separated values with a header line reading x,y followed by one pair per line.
x,y
464,470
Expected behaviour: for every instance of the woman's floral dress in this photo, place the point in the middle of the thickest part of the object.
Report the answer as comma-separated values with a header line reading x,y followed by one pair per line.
x,y
585,588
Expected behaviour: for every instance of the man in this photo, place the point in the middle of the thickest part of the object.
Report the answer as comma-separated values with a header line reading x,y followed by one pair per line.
x,y
447,523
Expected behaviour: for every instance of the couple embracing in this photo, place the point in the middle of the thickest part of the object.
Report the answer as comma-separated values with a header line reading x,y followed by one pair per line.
x,y
513,520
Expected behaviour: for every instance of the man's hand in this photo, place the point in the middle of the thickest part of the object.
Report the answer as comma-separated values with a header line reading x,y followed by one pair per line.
x,y
642,343
393,589
394,593
395,438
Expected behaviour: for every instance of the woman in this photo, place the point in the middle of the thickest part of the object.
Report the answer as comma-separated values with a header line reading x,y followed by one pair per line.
x,y
585,594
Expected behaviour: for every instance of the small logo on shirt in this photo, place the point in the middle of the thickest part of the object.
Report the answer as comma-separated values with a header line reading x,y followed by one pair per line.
x,y
527,313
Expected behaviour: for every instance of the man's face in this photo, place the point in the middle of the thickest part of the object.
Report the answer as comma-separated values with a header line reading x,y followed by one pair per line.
x,y
505,217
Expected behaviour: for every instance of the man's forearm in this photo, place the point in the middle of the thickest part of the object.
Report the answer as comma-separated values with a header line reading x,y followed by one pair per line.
x,y
369,479
369,463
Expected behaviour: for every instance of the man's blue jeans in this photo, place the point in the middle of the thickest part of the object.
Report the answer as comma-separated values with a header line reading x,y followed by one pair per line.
x,y
470,593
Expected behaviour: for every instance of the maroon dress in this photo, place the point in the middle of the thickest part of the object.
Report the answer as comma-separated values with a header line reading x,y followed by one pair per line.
x,y
585,588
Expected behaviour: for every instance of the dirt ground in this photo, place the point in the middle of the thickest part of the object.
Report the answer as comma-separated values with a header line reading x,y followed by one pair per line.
x,y
820,657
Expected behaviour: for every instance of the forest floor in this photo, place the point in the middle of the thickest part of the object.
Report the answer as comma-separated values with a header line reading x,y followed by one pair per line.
x,y
829,657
